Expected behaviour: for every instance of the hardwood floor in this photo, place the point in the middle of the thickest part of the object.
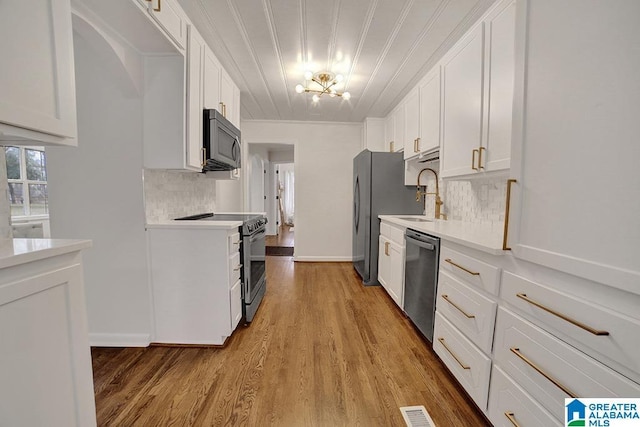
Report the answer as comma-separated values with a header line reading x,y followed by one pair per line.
x,y
284,238
323,350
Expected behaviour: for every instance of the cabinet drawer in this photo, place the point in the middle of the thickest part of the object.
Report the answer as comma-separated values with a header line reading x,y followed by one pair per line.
x,y
235,294
234,243
465,361
551,370
234,268
472,313
393,233
621,343
473,271
507,400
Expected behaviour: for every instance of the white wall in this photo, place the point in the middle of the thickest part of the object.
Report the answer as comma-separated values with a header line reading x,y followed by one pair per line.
x,y
5,206
324,155
95,192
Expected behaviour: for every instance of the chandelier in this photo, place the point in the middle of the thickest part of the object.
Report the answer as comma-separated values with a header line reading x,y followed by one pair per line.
x,y
322,83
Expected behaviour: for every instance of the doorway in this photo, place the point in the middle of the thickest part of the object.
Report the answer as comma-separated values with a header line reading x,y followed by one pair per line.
x,y
271,189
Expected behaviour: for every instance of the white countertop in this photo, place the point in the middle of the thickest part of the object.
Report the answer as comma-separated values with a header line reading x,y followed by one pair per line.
x,y
21,251
477,236
199,224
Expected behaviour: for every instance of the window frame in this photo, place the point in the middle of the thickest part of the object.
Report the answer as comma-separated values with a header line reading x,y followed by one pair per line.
x,y
26,196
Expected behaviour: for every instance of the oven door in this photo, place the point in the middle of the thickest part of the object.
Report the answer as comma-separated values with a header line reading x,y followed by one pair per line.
x,y
254,261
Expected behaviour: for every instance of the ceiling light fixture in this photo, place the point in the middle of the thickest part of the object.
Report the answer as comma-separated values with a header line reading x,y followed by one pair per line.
x,y
324,83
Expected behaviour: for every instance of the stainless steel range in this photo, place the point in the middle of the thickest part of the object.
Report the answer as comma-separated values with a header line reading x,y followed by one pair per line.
x,y
252,250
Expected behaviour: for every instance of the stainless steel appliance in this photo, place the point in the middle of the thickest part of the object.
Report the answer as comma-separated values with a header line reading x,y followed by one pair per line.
x,y
421,280
252,252
221,143
378,189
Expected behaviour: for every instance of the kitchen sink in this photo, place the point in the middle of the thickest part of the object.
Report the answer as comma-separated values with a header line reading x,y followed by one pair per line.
x,y
414,219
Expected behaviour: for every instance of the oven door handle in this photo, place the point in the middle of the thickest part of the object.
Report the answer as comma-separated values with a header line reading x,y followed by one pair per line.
x,y
256,236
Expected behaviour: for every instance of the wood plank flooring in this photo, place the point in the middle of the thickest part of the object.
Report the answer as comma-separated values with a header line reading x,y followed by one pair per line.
x,y
285,237
323,350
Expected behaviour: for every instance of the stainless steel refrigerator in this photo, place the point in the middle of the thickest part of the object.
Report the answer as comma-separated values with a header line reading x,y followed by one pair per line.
x,y
378,189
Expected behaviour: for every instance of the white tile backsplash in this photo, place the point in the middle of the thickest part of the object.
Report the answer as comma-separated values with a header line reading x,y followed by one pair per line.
x,y
5,206
172,194
479,201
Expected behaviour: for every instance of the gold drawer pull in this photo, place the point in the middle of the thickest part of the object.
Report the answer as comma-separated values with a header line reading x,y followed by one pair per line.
x,y
473,273
562,316
473,159
446,298
511,417
480,157
386,248
391,147
505,245
204,157
238,267
462,365
555,382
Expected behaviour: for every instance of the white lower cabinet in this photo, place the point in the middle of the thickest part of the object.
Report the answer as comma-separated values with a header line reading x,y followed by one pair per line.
x,y
45,357
391,261
467,363
549,369
510,405
195,281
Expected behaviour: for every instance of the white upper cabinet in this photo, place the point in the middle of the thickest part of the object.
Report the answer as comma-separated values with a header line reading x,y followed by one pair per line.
x,y
169,15
477,87
389,130
398,130
220,92
430,102
575,204
411,107
462,112
196,54
37,80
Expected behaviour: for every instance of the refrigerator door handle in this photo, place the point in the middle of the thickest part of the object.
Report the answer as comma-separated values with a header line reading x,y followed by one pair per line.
x,y
356,204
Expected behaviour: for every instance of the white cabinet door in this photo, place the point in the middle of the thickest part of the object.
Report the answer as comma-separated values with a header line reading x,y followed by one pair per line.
x,y
212,76
227,88
235,294
398,133
171,18
195,83
412,124
575,204
430,112
389,132
396,274
37,78
462,112
495,152
384,262
45,362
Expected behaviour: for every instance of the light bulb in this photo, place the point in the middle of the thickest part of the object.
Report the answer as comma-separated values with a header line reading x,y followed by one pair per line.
x,y
315,98
308,75
346,95
299,88
332,92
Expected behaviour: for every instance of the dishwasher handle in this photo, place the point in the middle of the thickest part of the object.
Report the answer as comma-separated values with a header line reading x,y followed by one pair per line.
x,y
421,240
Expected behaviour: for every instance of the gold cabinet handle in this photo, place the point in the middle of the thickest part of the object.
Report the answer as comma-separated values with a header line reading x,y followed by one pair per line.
x,y
473,273
555,382
507,208
473,159
391,147
512,418
386,248
562,316
417,145
238,267
159,8
204,156
238,242
462,365
469,316
480,157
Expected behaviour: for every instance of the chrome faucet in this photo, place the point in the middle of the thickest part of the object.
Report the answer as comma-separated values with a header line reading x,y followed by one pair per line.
x,y
439,202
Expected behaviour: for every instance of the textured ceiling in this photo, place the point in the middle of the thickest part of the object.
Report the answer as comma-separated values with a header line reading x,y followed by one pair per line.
x,y
382,47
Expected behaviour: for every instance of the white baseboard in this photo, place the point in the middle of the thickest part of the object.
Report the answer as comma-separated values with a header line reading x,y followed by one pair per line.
x,y
322,258
119,340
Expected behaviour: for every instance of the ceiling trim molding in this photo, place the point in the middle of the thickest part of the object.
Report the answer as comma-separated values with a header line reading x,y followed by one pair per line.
x,y
302,122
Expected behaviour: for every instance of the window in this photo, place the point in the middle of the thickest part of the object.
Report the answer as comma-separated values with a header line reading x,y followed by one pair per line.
x,y
27,176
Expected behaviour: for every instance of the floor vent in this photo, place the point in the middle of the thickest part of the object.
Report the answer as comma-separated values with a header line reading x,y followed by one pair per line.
x,y
416,416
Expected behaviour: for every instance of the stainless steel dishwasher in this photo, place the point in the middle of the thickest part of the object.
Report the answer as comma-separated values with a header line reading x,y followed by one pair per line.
x,y
421,279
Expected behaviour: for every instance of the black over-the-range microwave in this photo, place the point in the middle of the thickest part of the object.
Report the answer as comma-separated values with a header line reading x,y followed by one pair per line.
x,y
221,143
